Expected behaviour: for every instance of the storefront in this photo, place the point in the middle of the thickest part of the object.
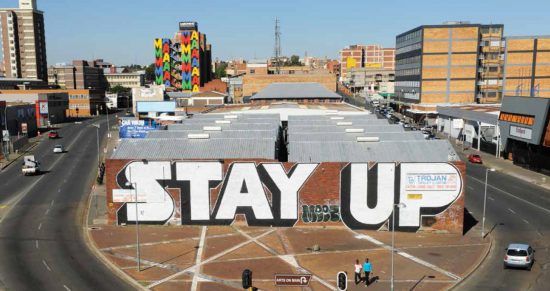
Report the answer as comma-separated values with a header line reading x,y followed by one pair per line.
x,y
525,130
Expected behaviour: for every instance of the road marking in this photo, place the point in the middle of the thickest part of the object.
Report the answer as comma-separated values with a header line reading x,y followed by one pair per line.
x,y
199,258
539,233
215,257
36,243
46,265
470,187
511,210
525,220
2,206
51,203
66,288
491,198
511,195
40,226
47,211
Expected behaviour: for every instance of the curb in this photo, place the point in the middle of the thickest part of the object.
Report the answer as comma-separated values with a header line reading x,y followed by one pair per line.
x,y
20,155
472,271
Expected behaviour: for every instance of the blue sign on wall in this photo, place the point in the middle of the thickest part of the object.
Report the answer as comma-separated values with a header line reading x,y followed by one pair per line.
x,y
135,131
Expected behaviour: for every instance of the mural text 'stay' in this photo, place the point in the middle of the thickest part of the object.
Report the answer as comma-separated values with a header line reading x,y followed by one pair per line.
x,y
268,195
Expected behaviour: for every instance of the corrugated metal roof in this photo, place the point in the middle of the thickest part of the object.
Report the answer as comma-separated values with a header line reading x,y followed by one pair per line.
x,y
158,149
457,112
391,151
254,134
295,90
337,136
328,129
275,122
241,126
239,116
343,117
356,122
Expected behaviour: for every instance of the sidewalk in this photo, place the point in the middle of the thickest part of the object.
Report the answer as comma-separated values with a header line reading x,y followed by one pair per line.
x,y
504,166
33,142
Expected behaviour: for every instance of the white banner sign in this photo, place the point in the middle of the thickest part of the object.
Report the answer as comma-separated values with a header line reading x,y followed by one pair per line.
x,y
431,182
128,196
521,132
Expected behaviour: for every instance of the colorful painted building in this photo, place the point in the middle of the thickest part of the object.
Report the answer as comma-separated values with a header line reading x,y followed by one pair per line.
x,y
183,63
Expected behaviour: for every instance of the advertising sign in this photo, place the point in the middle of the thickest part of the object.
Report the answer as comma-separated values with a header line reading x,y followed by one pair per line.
x,y
24,128
431,182
135,131
43,107
521,132
5,135
128,196
301,280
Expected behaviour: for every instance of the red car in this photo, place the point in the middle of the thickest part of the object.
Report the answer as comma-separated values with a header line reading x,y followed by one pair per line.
x,y
53,134
476,159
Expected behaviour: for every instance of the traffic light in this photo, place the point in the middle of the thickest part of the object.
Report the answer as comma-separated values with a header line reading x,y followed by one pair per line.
x,y
247,279
342,281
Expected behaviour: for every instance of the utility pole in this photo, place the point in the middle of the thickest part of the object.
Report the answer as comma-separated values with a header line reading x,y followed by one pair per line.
x,y
277,49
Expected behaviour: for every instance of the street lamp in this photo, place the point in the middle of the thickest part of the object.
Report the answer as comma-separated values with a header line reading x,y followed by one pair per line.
x,y
6,143
485,202
108,127
128,184
400,205
97,131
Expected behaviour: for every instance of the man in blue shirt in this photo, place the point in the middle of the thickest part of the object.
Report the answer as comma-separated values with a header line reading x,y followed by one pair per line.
x,y
367,268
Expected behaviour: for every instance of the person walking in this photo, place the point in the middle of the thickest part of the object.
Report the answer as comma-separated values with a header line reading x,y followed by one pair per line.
x,y
367,268
358,268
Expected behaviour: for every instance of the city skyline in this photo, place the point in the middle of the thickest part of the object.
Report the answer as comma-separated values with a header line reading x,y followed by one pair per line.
x,y
307,26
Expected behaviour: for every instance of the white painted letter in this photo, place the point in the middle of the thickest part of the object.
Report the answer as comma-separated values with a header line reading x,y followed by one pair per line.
x,y
199,174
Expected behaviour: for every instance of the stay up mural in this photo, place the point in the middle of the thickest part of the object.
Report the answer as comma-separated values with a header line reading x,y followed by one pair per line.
x,y
360,195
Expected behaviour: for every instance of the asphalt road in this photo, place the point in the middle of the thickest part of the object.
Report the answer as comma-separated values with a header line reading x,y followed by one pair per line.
x,y
41,239
517,212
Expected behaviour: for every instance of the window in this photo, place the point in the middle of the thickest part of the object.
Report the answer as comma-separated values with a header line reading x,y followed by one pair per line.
x,y
252,72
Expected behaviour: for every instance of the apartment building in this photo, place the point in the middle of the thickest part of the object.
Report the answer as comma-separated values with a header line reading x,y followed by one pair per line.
x,y
127,80
80,74
527,66
23,41
365,56
456,62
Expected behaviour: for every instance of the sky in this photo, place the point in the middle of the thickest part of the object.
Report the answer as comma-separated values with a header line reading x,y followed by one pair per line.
x,y
122,31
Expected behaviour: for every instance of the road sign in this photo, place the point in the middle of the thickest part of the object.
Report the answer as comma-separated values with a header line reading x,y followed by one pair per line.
x,y
292,279
5,135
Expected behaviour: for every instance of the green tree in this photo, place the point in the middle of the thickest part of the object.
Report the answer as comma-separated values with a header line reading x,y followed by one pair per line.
x,y
150,73
220,71
119,89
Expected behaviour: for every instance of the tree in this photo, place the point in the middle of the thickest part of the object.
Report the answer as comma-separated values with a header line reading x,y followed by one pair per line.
x,y
294,61
220,71
119,89
150,73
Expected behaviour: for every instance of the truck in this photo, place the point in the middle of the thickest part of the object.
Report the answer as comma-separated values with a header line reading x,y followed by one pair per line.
x,y
30,166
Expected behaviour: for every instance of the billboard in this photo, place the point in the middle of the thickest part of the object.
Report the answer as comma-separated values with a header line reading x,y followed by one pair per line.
x,y
357,195
162,62
190,58
135,131
156,106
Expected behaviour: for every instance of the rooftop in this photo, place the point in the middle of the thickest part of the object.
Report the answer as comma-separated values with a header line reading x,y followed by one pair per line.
x,y
295,91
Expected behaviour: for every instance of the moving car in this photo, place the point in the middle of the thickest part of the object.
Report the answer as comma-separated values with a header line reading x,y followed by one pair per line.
x,y
58,149
53,134
519,256
475,159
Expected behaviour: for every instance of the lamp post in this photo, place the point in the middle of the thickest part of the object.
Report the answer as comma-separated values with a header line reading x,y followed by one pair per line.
x,y
97,131
400,205
6,143
137,225
485,202
108,127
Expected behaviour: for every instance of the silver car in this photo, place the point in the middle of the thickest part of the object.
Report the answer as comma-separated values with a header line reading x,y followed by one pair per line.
x,y
519,256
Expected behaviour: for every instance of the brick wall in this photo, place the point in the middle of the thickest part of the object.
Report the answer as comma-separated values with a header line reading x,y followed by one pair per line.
x,y
321,189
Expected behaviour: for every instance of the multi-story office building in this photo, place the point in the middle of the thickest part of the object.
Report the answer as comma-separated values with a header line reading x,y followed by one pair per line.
x,y
365,56
127,80
24,41
184,62
527,66
79,75
450,63
372,81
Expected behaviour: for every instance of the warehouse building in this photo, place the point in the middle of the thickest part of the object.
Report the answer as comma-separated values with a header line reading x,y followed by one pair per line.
x,y
295,92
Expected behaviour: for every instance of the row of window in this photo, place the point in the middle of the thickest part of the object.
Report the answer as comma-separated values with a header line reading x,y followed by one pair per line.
x,y
78,96
410,36
408,84
408,48
411,60
79,106
408,72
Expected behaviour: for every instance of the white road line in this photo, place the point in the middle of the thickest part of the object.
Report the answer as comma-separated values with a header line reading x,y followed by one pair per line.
x,y
47,211
199,258
66,288
46,265
51,203
509,209
36,243
491,198
525,220
40,226
406,255
538,232
470,187
511,195
215,257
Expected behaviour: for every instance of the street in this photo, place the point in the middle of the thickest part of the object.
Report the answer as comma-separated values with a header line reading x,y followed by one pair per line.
x,y
42,245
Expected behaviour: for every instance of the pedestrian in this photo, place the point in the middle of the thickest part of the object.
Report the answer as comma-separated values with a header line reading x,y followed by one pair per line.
x,y
358,268
367,268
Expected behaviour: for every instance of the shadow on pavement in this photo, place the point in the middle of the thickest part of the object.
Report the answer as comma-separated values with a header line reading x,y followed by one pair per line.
x,y
420,281
469,221
492,229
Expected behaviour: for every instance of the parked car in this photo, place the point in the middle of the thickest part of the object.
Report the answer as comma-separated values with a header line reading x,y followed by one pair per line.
x,y
475,159
58,149
53,134
519,256
406,125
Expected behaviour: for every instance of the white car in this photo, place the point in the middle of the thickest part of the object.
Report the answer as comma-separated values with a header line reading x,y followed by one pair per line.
x,y
58,149
519,256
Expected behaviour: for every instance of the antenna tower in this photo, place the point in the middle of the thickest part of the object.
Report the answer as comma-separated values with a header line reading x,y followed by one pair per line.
x,y
277,49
